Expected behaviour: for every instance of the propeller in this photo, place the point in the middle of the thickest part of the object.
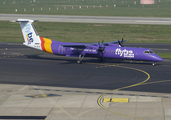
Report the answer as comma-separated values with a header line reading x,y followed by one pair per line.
x,y
100,50
120,42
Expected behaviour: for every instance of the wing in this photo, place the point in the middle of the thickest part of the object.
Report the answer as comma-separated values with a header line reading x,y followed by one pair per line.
x,y
114,42
75,46
86,49
95,46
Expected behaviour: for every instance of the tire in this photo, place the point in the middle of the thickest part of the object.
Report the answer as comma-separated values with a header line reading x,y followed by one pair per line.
x,y
154,64
79,62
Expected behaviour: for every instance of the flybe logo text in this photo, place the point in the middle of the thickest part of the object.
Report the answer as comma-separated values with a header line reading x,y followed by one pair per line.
x,y
124,53
29,34
29,38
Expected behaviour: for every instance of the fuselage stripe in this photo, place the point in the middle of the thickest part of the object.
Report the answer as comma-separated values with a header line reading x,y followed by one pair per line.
x,y
47,45
42,44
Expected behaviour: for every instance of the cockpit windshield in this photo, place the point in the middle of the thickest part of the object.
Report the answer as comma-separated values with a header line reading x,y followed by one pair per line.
x,y
149,52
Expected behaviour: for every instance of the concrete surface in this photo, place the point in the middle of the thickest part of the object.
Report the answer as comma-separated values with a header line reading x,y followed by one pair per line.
x,y
79,106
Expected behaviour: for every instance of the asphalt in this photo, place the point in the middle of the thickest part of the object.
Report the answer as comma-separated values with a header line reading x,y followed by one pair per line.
x,y
37,85
26,66
88,19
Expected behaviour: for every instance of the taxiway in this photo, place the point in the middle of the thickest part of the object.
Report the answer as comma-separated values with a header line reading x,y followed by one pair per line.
x,y
38,85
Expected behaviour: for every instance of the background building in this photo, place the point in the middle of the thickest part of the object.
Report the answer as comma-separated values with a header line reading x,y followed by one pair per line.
x,y
146,1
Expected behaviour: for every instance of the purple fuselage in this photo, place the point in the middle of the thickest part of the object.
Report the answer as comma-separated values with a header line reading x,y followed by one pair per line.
x,y
113,51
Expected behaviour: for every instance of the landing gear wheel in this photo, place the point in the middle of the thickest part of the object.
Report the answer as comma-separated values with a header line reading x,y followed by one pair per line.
x,y
79,62
100,59
154,64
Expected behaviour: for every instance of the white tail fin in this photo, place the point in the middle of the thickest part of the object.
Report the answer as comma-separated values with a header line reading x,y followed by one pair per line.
x,y
30,35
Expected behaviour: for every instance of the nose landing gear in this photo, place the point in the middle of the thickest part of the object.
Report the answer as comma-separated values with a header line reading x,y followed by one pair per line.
x,y
154,64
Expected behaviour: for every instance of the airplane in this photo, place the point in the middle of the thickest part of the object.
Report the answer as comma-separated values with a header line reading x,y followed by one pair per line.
x,y
113,50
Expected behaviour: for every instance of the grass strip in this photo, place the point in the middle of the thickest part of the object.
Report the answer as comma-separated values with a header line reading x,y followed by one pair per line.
x,y
164,55
89,32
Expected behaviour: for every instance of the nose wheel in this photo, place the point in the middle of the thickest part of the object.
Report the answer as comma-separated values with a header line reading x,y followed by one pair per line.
x,y
79,61
154,64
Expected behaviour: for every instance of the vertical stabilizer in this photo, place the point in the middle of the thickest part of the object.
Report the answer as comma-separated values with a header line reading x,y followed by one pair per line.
x,y
30,35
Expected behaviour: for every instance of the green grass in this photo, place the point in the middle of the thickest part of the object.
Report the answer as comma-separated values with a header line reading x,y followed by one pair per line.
x,y
89,32
123,7
164,55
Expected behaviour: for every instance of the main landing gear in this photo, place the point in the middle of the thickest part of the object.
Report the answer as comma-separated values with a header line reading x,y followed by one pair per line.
x,y
79,61
100,59
154,64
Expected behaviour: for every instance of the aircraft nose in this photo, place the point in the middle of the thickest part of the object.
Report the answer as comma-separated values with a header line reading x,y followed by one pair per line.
x,y
157,58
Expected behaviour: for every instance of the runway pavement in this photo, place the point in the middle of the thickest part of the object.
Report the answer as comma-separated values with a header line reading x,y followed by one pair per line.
x,y
88,19
37,85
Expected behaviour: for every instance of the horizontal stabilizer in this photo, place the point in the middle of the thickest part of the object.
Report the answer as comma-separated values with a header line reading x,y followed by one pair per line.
x,y
26,20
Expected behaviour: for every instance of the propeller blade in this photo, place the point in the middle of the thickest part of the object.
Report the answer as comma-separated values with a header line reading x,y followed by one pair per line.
x,y
120,42
100,50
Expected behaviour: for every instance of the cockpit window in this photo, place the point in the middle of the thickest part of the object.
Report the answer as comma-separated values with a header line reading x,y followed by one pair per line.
x,y
148,52
151,52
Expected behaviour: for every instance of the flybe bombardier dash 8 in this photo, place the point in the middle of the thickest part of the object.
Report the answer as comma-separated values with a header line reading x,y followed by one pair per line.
x,y
113,50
